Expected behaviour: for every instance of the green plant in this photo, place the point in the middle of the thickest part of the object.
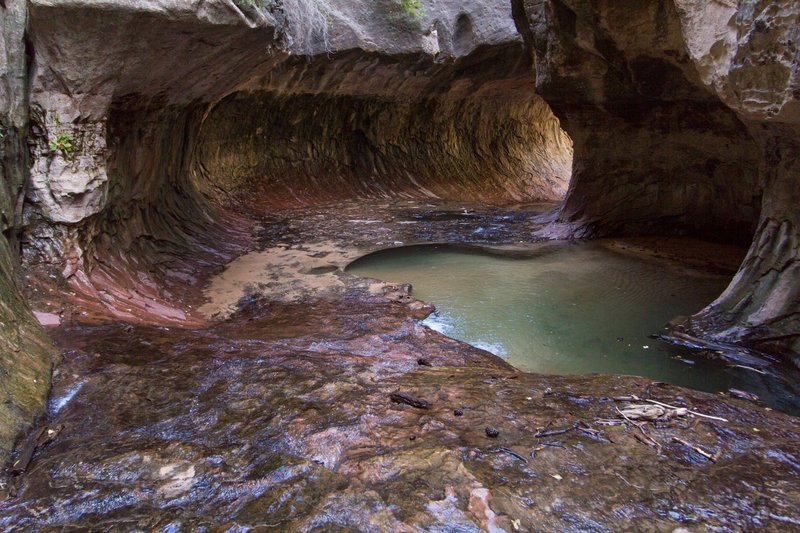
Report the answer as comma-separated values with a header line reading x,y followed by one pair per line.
x,y
412,8
406,14
62,143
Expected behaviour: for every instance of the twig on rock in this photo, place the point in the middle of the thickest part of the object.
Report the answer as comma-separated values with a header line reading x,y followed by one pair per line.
x,y
750,368
744,395
631,398
593,433
402,397
711,457
550,432
644,438
627,482
695,413
512,453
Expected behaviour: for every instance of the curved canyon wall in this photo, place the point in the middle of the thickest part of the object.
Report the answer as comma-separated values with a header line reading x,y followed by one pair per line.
x,y
498,146
684,116
655,151
188,109
749,55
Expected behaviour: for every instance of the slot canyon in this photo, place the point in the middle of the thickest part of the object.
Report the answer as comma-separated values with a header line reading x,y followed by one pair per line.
x,y
183,346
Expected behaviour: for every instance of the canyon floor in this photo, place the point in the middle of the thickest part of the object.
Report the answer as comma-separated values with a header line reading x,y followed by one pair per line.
x,y
300,397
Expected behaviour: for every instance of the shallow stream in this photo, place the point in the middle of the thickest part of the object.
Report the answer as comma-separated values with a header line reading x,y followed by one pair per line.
x,y
570,308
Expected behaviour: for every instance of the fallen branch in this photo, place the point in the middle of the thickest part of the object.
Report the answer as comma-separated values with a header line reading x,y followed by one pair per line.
x,y
623,415
698,449
35,441
647,412
593,433
750,368
633,422
550,432
695,413
608,422
644,438
25,454
512,453
631,398
401,397
744,395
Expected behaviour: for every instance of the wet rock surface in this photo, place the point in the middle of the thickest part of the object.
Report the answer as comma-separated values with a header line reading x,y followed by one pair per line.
x,y
301,253
316,413
238,426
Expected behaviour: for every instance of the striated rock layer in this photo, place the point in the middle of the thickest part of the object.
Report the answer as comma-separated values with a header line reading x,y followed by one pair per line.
x,y
753,65
683,119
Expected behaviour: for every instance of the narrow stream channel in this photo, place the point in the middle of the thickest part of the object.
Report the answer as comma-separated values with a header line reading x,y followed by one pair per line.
x,y
571,308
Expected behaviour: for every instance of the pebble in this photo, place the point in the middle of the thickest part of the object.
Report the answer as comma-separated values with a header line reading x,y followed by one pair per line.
x,y
492,432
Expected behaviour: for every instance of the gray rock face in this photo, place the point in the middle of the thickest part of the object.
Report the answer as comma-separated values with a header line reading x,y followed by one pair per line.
x,y
25,352
447,29
94,57
747,54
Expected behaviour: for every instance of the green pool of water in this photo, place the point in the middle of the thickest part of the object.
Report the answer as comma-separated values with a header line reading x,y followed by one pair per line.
x,y
570,308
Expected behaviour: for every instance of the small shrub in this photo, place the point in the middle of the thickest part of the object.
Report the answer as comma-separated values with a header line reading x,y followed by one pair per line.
x,y
406,14
62,143
412,8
